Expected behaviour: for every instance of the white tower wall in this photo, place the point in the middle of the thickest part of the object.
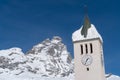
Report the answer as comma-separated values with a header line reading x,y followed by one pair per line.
x,y
96,69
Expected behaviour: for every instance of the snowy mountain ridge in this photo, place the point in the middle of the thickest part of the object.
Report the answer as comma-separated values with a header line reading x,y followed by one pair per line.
x,y
46,60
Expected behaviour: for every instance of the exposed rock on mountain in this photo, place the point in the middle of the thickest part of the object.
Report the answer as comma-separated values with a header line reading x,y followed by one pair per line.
x,y
52,58
49,58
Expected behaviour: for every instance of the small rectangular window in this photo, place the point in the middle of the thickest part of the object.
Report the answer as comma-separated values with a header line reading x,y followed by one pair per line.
x,y
81,49
87,69
91,48
86,48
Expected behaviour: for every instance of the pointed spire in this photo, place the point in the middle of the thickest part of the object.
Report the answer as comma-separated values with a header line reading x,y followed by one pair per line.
x,y
86,24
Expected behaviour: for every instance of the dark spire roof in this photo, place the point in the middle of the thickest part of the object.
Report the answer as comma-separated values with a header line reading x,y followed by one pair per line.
x,y
86,25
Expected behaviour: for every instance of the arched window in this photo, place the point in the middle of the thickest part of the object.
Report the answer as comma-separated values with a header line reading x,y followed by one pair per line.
x,y
81,46
91,48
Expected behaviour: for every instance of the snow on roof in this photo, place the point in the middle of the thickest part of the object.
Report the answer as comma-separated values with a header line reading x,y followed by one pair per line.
x,y
92,34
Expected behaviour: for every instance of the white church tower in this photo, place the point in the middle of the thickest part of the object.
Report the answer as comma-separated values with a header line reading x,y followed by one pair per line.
x,y
88,53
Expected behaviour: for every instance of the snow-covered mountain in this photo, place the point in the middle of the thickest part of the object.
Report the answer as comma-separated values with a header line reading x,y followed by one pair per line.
x,y
46,60
50,58
113,77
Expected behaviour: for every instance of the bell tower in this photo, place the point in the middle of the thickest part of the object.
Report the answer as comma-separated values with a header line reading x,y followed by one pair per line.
x,y
88,52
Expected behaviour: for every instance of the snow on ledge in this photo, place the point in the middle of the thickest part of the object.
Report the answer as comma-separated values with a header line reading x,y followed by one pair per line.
x,y
92,34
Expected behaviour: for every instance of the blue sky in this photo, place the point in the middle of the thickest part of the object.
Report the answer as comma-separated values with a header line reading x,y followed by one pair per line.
x,y
24,23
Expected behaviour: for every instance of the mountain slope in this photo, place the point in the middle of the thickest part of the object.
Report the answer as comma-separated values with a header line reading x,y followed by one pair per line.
x,y
37,77
49,58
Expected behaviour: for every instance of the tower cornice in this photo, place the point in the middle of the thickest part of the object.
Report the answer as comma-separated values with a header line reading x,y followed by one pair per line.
x,y
86,40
